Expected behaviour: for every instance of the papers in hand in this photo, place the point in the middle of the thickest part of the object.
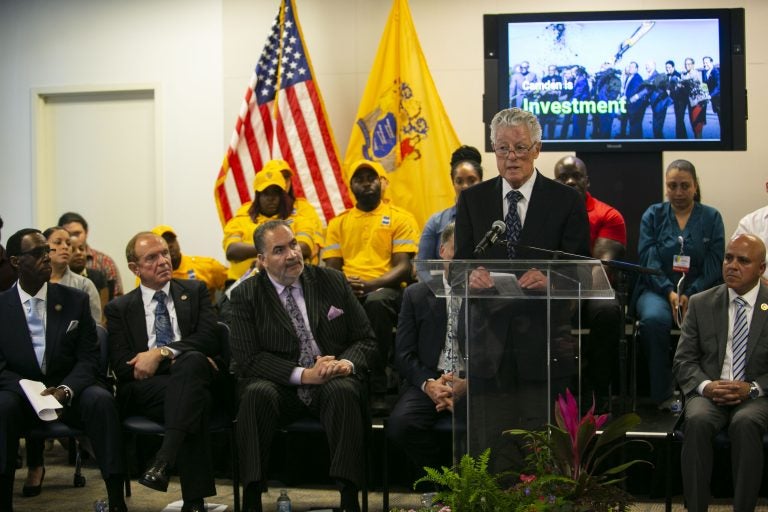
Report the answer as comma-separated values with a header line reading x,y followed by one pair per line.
x,y
44,406
506,284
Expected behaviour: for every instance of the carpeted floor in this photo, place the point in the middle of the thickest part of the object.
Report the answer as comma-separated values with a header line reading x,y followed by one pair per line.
x,y
59,494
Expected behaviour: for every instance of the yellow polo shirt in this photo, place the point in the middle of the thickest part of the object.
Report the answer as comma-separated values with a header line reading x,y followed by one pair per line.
x,y
303,221
367,240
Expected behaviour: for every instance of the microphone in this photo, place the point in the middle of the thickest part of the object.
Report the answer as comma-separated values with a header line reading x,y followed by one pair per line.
x,y
497,229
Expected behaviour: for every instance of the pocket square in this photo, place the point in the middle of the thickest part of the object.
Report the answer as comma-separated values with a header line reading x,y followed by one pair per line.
x,y
334,312
72,325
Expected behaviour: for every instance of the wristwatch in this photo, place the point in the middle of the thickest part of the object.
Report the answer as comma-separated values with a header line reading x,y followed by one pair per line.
x,y
166,353
754,391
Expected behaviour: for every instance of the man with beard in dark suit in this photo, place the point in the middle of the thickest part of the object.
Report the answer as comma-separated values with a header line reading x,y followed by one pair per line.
x,y
508,364
49,335
162,336
301,342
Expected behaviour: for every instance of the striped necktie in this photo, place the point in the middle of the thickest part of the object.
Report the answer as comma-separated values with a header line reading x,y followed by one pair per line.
x,y
36,330
740,335
512,220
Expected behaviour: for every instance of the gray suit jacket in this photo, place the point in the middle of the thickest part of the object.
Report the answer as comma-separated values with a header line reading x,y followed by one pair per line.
x,y
702,345
264,342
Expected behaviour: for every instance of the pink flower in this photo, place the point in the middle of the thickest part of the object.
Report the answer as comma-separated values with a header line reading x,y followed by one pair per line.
x,y
567,417
527,478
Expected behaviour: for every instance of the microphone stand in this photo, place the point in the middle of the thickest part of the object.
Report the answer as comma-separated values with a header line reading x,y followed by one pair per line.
x,y
622,280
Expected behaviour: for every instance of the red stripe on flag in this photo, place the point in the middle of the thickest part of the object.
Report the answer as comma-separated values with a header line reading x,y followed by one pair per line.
x,y
330,150
236,167
309,152
250,141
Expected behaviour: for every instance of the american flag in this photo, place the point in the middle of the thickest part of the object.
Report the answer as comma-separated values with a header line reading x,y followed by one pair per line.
x,y
283,117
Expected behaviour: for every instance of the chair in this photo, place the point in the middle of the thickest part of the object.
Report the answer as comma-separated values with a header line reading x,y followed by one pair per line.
x,y
444,425
720,442
310,424
58,430
221,421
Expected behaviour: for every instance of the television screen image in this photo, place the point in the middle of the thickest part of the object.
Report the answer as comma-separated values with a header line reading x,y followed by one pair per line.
x,y
639,80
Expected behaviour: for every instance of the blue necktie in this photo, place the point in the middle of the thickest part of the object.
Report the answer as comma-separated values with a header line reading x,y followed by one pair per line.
x,y
739,342
306,351
36,330
512,220
163,327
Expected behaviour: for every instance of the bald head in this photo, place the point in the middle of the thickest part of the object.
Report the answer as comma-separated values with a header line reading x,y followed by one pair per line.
x,y
744,263
572,171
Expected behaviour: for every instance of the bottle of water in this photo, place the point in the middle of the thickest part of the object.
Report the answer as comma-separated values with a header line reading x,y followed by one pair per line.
x,y
676,407
283,502
427,499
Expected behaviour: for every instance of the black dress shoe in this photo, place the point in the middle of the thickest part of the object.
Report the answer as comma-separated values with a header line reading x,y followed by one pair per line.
x,y
120,507
156,477
28,491
193,506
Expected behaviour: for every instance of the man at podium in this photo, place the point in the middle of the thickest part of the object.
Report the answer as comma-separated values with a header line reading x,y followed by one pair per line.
x,y
510,362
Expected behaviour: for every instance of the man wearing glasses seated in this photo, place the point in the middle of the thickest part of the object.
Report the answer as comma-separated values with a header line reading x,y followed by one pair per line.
x,y
48,335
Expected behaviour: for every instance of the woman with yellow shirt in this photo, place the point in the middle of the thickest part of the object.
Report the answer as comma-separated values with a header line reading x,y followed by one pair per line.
x,y
271,200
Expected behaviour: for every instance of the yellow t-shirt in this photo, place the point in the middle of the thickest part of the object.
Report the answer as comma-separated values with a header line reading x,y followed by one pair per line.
x,y
303,221
202,268
367,240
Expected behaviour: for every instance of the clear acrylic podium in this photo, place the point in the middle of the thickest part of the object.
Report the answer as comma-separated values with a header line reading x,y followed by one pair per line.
x,y
519,348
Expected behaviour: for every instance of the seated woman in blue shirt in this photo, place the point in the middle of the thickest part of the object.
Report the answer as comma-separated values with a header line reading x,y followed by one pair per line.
x,y
679,237
465,172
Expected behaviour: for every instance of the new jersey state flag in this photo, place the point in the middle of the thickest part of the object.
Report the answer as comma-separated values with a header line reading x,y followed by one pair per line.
x,y
401,123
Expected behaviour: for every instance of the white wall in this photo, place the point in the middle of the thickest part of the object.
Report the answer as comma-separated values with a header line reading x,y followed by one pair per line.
x,y
173,45
201,53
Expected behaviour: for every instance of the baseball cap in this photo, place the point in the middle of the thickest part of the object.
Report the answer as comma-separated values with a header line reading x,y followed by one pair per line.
x,y
368,164
266,178
162,229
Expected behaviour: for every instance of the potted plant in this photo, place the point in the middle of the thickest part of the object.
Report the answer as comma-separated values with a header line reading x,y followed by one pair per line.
x,y
565,468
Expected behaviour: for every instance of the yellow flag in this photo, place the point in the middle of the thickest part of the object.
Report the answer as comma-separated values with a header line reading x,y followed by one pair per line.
x,y
401,123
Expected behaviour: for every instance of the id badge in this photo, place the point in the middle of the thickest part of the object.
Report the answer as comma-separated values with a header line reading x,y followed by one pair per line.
x,y
681,263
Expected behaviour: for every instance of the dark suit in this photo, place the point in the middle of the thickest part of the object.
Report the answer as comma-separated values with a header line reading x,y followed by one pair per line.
x,y
636,105
556,219
699,357
508,357
178,395
72,358
713,85
265,351
421,332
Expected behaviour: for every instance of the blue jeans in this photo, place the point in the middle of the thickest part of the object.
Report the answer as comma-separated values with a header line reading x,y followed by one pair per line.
x,y
655,317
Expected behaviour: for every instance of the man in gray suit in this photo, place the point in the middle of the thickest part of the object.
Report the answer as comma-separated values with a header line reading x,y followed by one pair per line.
x,y
300,343
721,364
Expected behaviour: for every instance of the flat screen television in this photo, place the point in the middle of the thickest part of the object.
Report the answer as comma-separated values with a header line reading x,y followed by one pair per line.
x,y
619,81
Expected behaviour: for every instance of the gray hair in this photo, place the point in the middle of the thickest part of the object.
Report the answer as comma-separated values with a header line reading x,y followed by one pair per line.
x,y
516,117
260,233
447,233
